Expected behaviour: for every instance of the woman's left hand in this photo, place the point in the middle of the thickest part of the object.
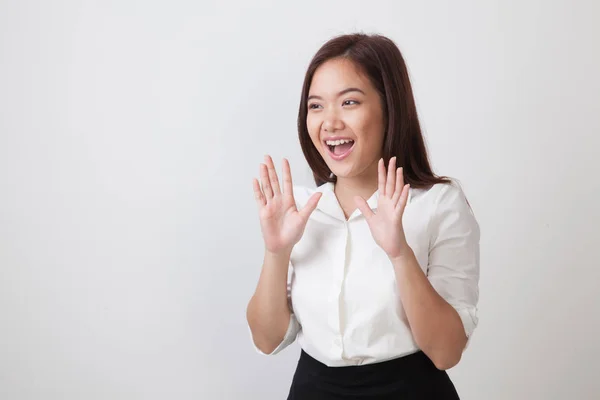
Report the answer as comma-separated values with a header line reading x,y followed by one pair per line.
x,y
386,223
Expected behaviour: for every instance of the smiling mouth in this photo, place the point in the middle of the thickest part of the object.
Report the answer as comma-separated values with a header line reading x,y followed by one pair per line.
x,y
340,148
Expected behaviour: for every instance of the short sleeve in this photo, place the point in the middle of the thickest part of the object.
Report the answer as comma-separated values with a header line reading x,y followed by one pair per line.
x,y
293,326
453,267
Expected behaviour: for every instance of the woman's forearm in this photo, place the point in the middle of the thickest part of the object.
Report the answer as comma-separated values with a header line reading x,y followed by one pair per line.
x,y
268,313
435,324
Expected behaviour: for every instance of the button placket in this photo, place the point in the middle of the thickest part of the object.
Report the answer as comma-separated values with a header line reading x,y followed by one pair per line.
x,y
341,299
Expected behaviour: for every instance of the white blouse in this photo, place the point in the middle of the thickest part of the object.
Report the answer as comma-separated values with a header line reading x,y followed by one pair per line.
x,y
344,298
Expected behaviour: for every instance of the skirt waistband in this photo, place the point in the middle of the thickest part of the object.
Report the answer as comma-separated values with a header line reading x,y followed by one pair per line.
x,y
380,371
413,376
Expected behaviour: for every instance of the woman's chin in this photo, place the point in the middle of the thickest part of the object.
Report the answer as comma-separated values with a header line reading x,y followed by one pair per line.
x,y
342,173
353,171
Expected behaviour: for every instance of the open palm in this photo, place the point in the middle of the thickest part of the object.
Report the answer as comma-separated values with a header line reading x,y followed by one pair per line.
x,y
281,223
386,224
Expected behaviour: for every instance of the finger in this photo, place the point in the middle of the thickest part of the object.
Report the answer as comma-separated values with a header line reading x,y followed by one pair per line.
x,y
288,187
310,205
258,194
273,175
364,208
399,185
403,199
264,180
391,178
381,177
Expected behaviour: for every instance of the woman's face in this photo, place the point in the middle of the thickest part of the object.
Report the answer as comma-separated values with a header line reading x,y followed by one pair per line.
x,y
345,119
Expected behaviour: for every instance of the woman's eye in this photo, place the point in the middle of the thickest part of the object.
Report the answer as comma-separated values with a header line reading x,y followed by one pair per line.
x,y
313,106
350,102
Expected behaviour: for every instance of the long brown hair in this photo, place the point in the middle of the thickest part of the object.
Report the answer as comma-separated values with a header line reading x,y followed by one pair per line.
x,y
380,59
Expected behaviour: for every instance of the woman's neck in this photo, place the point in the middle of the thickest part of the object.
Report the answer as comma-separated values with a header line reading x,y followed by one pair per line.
x,y
346,188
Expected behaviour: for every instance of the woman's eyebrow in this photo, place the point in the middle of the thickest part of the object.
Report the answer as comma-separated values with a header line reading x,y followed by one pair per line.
x,y
352,89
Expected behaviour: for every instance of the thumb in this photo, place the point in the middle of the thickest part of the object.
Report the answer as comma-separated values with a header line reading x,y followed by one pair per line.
x,y
310,205
363,207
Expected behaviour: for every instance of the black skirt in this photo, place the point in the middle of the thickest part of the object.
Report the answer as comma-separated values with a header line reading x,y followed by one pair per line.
x,y
411,377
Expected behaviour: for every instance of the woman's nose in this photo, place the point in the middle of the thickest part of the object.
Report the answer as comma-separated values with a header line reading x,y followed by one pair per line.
x,y
332,122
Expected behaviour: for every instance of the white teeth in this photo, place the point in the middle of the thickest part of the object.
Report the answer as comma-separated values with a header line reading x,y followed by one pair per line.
x,y
337,142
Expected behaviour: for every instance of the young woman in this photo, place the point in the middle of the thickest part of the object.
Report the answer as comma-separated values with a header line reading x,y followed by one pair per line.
x,y
375,271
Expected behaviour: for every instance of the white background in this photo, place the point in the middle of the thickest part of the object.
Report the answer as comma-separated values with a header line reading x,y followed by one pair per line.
x,y
129,135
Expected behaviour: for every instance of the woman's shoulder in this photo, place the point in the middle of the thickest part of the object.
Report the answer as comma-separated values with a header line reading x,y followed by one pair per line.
x,y
434,192
450,194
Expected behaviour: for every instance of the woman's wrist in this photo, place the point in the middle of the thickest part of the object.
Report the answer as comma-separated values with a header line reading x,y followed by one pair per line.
x,y
282,256
404,257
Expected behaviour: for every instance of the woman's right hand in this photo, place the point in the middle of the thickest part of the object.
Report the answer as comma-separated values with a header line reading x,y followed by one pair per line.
x,y
281,223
